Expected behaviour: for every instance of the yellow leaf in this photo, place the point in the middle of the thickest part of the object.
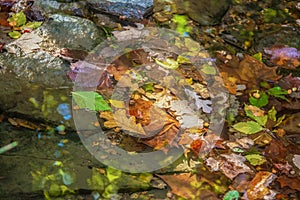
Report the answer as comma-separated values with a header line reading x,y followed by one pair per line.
x,y
117,104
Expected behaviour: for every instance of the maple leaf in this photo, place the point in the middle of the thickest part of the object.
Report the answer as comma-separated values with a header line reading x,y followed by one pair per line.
x,y
119,119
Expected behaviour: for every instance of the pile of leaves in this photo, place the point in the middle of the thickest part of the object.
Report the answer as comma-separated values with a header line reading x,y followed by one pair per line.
x,y
257,156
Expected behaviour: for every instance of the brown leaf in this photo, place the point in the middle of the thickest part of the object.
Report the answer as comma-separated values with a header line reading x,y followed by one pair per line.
x,y
249,71
291,125
292,183
168,136
3,19
187,185
284,56
258,187
276,151
119,119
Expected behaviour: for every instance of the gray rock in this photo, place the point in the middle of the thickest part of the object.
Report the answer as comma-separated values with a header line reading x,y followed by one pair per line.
x,y
34,85
70,32
206,12
77,8
129,10
202,11
33,79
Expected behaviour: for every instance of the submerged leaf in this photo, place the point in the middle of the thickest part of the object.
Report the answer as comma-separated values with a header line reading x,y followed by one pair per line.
x,y
255,159
232,195
90,100
249,127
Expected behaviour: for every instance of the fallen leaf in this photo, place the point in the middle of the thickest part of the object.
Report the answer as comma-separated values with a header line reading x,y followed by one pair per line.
x,y
249,127
292,183
284,56
258,187
291,125
119,119
188,186
128,124
276,151
255,159
90,100
233,165
248,71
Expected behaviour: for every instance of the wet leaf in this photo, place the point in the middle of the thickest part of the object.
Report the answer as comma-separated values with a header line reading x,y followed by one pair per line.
x,y
208,69
232,195
17,19
262,101
258,187
168,63
128,124
255,159
233,165
200,103
31,25
256,114
278,92
90,100
292,183
188,186
284,56
272,114
249,71
188,118
14,34
249,127
276,151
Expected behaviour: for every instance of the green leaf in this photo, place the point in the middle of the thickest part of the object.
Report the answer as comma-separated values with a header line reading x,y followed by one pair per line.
x,y
90,100
279,120
14,34
261,101
148,87
113,174
32,25
272,114
249,127
232,195
278,92
255,159
258,56
262,120
208,69
168,63
17,19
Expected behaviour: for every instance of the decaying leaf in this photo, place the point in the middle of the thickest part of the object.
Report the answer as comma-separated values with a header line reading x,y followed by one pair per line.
x,y
119,119
248,71
200,103
258,187
188,186
187,117
292,183
284,56
276,151
233,165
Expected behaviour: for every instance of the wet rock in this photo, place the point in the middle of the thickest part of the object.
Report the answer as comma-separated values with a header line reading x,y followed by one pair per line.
x,y
34,85
77,8
131,10
33,80
277,35
206,12
60,31
202,11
